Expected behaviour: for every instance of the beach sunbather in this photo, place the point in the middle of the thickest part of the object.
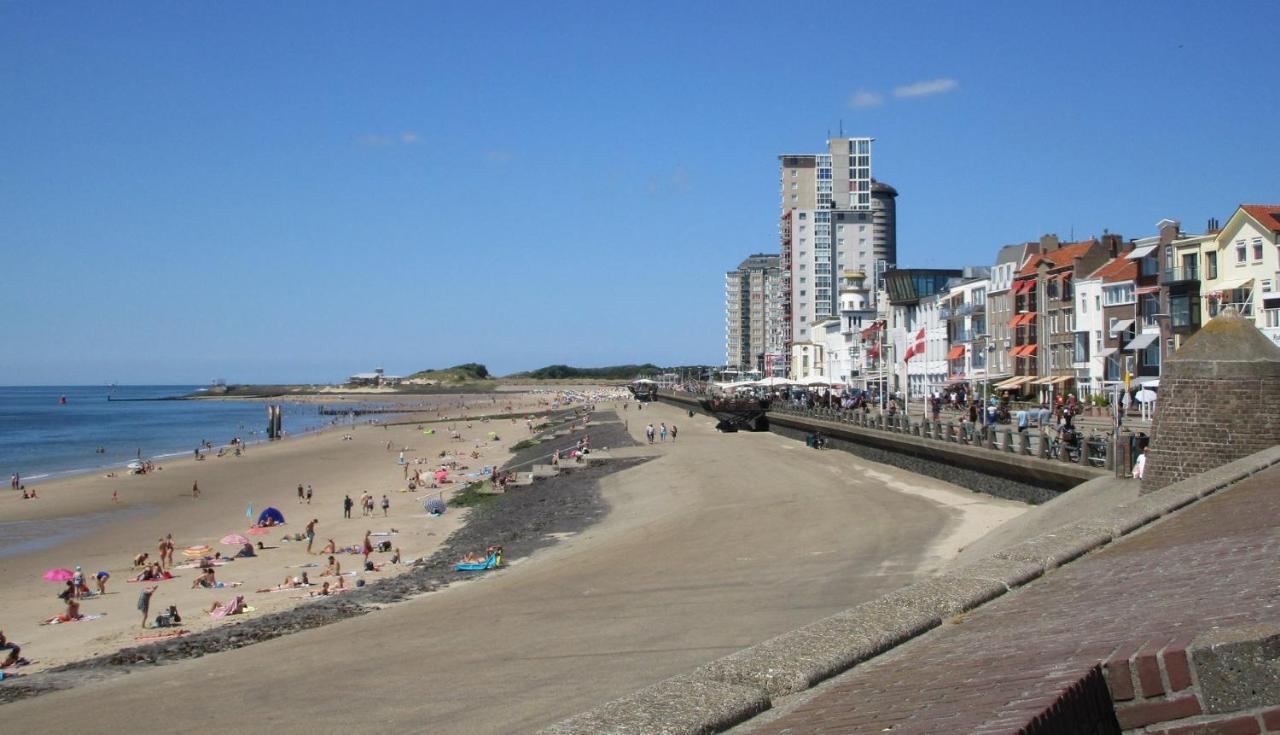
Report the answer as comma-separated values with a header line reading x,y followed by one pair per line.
x,y
333,570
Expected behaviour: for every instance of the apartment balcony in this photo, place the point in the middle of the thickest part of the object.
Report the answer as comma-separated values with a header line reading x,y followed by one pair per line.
x,y
1181,274
1273,334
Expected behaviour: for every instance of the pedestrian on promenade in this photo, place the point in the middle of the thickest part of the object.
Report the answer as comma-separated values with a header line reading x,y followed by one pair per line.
x,y
1140,465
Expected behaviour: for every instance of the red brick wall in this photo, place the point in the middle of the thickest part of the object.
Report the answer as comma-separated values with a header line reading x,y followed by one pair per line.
x,y
1203,423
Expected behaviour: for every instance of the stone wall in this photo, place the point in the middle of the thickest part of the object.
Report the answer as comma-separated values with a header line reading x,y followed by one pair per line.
x,y
1219,396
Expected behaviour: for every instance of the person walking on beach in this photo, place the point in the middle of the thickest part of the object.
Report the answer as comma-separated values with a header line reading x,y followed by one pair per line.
x,y
346,507
368,546
663,431
144,602
648,432
195,489
673,433
300,493
169,548
386,505
308,494
311,533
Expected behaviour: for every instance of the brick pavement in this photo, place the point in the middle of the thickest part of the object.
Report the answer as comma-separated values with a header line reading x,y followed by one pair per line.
x,y
1134,606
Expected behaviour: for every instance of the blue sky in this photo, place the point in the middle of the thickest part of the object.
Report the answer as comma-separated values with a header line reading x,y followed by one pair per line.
x,y
298,191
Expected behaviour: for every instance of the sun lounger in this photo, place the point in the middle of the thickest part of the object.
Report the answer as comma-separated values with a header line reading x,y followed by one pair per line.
x,y
490,563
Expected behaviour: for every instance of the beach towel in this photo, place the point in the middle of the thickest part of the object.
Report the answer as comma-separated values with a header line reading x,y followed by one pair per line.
x,y
490,563
235,607
161,636
57,620
165,578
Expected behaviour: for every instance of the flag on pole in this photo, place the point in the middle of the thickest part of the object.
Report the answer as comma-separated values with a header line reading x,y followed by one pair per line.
x,y
249,512
917,348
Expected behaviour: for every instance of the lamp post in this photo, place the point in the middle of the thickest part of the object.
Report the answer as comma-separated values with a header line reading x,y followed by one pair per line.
x,y
973,378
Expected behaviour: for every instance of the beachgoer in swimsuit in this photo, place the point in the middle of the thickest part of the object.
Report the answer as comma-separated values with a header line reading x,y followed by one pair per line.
x,y
144,602
333,570
311,532
368,546
101,578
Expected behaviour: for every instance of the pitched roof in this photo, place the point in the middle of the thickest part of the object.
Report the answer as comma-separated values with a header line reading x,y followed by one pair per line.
x,y
1267,214
1062,256
1119,268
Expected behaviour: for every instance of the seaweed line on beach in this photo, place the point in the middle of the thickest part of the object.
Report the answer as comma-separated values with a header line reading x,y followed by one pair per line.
x,y
522,521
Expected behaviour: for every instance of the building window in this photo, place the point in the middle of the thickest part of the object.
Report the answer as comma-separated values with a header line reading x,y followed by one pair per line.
x,y
1118,295
1271,318
1184,311
1211,265
1242,253
803,216
1257,249
1097,303
1081,351
795,185
794,173
1266,285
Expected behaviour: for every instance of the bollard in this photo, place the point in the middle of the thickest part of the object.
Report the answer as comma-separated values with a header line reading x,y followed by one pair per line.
x,y
989,436
950,434
1008,440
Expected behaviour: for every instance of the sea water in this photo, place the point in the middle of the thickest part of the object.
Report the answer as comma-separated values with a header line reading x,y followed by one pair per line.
x,y
42,438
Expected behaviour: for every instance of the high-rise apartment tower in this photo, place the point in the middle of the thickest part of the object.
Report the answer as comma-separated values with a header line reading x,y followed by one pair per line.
x,y
753,312
835,217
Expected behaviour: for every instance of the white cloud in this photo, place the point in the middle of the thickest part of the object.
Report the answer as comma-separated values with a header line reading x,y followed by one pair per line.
x,y
926,88
864,98
379,140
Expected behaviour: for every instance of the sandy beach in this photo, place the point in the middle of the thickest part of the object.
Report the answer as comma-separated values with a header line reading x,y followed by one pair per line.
x,y
708,545
76,522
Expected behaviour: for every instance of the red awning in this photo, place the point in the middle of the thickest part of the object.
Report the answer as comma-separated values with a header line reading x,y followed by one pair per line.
x,y
1147,290
1021,286
1016,351
1029,317
956,352
1014,321
1028,350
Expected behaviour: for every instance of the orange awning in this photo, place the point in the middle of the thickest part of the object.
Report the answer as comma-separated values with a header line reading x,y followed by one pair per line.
x,y
1014,321
1029,317
1028,350
956,352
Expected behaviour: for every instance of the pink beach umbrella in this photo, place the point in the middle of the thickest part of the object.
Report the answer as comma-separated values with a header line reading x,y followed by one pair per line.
x,y
234,539
59,575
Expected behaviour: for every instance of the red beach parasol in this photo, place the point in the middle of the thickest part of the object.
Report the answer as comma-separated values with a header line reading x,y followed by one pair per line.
x,y
58,575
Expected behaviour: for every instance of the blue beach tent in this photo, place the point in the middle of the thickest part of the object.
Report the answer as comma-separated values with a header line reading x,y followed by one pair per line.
x,y
272,514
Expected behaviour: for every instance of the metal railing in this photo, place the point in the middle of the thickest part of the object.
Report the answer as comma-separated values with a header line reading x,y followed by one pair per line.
x,y
1039,442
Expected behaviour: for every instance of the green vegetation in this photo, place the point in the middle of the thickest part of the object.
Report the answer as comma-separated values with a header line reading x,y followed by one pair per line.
x,y
525,444
613,372
456,374
471,497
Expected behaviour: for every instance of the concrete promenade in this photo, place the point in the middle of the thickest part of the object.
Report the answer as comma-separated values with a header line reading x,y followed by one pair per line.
x,y
717,543
1152,608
